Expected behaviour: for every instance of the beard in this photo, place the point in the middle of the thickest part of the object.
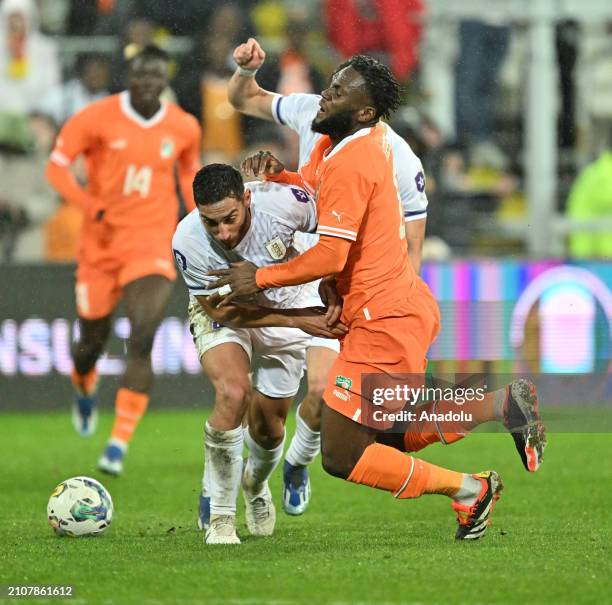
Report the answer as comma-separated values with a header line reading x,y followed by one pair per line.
x,y
335,126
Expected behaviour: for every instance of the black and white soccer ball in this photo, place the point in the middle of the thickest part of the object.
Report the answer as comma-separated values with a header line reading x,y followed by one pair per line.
x,y
80,506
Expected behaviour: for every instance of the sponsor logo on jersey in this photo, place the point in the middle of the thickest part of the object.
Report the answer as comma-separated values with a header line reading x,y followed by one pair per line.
x,y
276,249
167,148
341,395
338,215
343,382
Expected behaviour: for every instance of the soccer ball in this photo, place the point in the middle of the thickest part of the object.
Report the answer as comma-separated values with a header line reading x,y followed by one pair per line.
x,y
80,506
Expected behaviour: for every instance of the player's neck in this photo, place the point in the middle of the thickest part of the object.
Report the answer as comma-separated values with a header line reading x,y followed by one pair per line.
x,y
146,110
338,139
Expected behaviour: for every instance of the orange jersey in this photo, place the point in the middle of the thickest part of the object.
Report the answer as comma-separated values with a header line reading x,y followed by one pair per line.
x,y
358,200
131,160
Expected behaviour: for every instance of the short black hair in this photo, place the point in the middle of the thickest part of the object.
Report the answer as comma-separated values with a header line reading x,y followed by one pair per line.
x,y
381,84
151,51
215,182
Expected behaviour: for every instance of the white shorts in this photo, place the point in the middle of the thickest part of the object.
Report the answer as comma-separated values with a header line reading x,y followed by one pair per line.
x,y
277,354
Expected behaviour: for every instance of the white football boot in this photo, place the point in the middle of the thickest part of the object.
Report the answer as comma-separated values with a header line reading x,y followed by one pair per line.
x,y
260,511
222,530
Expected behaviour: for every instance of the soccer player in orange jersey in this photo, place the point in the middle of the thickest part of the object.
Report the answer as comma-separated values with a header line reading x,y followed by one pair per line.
x,y
134,145
391,315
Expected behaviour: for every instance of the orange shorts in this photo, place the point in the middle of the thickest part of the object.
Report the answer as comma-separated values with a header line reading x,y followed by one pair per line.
x,y
381,354
103,271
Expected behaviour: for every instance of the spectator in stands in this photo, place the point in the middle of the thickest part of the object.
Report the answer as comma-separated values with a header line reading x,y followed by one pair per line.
x,y
390,27
482,49
201,84
29,63
92,83
26,199
590,199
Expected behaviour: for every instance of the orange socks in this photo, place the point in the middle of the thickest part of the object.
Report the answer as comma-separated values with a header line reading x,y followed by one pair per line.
x,y
386,468
85,384
129,409
425,431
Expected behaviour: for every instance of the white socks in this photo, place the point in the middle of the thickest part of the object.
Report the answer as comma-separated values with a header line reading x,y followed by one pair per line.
x,y
305,445
260,464
223,468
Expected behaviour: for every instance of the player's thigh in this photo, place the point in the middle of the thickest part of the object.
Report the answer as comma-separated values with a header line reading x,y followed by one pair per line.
x,y
225,357
319,361
97,292
227,366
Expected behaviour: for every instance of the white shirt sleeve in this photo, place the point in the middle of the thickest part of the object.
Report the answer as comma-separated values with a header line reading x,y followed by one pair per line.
x,y
289,204
192,259
297,111
410,178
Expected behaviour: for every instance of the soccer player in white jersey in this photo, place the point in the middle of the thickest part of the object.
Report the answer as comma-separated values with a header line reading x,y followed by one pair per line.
x,y
297,112
257,223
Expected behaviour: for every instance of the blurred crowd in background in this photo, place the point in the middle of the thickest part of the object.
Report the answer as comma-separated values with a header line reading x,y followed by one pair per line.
x,y
49,71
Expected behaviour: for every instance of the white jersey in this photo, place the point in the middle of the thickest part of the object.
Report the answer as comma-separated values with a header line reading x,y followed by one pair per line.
x,y
298,110
277,212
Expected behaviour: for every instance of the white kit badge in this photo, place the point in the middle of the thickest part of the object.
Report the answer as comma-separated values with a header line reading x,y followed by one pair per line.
x,y
276,248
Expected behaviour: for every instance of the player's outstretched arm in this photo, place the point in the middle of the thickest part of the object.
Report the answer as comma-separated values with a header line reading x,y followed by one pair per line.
x,y
310,320
327,257
243,91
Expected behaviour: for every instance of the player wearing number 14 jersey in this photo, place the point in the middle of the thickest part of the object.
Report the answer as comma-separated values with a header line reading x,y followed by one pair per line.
x,y
134,145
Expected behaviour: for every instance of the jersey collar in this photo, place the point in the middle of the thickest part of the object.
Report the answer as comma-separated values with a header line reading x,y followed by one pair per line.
x,y
344,142
132,114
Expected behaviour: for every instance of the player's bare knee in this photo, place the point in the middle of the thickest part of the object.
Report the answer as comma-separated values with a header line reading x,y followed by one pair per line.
x,y
266,425
85,352
233,393
268,432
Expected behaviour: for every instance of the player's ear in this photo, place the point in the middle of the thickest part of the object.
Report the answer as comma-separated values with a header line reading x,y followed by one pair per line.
x,y
367,114
246,198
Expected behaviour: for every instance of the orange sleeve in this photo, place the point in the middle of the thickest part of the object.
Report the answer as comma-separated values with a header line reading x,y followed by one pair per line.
x,y
327,257
291,178
76,137
343,198
189,163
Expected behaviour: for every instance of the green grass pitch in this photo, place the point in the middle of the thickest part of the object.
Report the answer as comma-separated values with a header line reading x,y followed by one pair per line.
x,y
549,543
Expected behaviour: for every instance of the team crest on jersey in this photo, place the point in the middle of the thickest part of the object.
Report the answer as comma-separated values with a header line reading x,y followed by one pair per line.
x,y
276,249
343,382
167,148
